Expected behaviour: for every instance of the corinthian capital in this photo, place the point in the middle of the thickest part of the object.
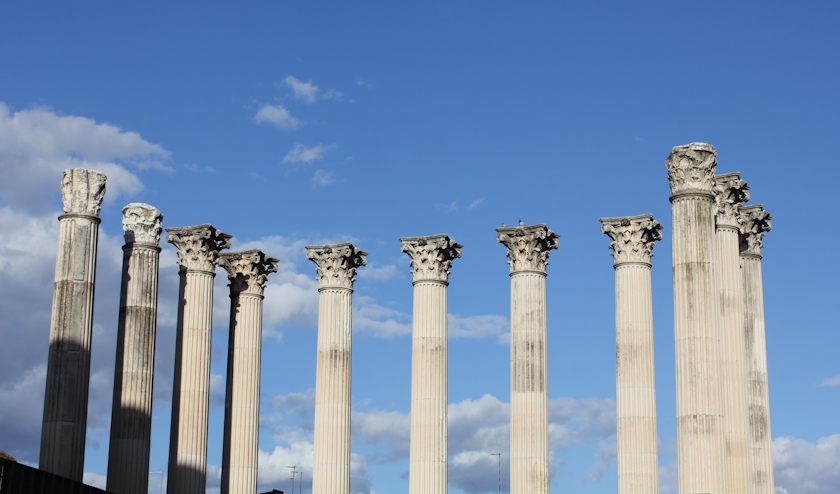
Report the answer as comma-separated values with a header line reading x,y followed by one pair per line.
x,y
755,222
431,257
632,237
82,191
730,192
691,168
528,246
248,270
198,246
336,264
141,224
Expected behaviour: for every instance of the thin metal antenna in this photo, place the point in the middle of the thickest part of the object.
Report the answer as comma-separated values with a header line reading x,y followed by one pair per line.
x,y
301,480
500,470
294,476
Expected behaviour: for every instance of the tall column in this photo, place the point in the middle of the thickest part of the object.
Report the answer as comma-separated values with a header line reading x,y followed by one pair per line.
x,y
755,222
68,366
198,253
528,250
632,240
131,413
248,272
701,444
431,258
336,267
730,192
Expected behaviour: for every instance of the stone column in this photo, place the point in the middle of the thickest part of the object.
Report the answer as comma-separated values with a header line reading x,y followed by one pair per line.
x,y
198,253
730,192
701,444
528,250
248,272
431,258
632,240
336,267
755,222
131,413
68,365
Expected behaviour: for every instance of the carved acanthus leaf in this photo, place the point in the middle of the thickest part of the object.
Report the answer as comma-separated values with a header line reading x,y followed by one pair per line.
x,y
431,257
82,191
632,237
528,246
198,246
336,264
142,223
691,168
730,192
755,222
248,270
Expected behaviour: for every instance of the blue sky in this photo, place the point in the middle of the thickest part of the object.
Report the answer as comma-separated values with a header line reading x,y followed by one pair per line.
x,y
288,124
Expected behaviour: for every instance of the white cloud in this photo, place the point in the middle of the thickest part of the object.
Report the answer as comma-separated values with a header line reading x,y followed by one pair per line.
x,y
94,479
477,326
377,320
476,203
668,477
304,154
278,116
832,381
803,467
322,178
362,82
309,92
37,145
377,273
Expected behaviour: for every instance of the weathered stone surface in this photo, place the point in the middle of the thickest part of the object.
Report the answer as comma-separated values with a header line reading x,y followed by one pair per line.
x,y
528,246
691,168
131,414
68,365
198,246
336,266
755,223
632,240
431,256
730,192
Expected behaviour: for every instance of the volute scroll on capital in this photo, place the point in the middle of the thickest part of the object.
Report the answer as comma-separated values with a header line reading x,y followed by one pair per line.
x,y
431,256
528,246
691,168
336,264
755,222
198,246
142,223
632,237
730,192
82,191
248,270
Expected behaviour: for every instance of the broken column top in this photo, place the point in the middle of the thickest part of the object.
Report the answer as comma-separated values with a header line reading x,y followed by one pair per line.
x,y
754,222
632,237
691,168
198,246
730,191
431,256
248,270
142,223
528,246
336,264
82,191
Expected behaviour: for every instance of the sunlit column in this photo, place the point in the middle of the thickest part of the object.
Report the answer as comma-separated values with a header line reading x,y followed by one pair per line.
x,y
198,253
632,240
528,248
336,267
68,365
131,413
755,222
730,192
701,443
431,258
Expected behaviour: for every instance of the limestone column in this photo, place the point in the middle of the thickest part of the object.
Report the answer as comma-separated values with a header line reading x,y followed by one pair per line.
x,y
755,222
701,444
336,267
730,192
528,250
632,240
248,272
68,365
431,259
198,253
131,413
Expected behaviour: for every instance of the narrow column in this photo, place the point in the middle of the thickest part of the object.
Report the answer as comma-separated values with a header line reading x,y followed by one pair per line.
x,y
632,240
336,267
730,192
755,222
198,253
431,259
528,250
248,272
131,413
701,446
68,365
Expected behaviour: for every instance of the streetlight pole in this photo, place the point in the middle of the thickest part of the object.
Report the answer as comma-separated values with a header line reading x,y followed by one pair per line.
x,y
294,476
500,470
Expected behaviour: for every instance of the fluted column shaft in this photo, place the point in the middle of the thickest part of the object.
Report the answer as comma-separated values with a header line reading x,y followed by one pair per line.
x,y
68,365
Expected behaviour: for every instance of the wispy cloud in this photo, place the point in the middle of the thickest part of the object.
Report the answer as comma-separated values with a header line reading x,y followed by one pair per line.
x,y
278,116
832,381
305,154
309,92
323,178
362,82
378,273
476,203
